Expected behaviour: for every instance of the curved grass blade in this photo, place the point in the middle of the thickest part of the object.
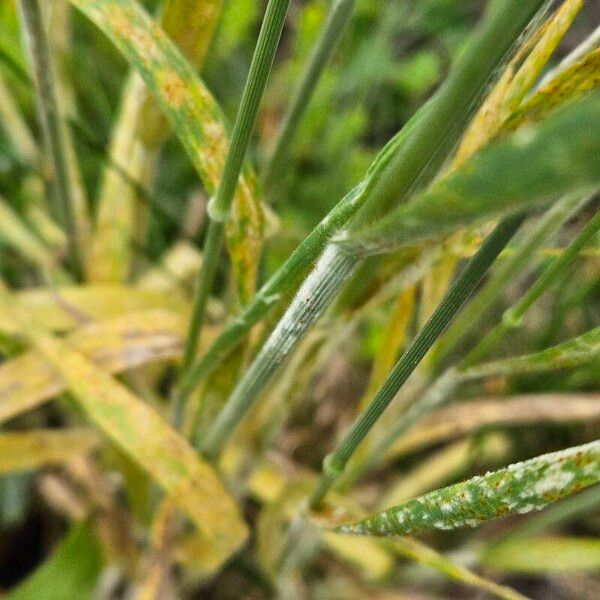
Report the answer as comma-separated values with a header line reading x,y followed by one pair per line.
x,y
537,164
144,435
29,450
71,571
190,108
515,411
28,380
517,489
545,555
65,308
53,129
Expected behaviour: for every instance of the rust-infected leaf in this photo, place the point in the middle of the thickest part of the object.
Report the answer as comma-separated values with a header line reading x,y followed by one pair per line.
x,y
144,435
194,116
28,380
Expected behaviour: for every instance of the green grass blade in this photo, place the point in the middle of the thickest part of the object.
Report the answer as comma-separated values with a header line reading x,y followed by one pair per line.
x,y
335,463
71,571
54,132
517,489
337,20
487,49
535,165
219,207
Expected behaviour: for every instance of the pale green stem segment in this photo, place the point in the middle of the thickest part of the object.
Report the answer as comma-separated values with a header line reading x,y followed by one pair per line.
x,y
513,316
336,265
337,20
518,489
315,294
506,270
45,83
220,206
335,463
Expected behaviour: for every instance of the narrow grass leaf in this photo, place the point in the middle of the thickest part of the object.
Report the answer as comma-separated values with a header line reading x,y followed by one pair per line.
x,y
545,555
145,436
537,164
66,308
515,411
28,380
517,489
191,110
35,449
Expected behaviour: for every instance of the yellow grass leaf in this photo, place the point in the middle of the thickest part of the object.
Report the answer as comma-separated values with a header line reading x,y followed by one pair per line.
x,y
143,434
29,450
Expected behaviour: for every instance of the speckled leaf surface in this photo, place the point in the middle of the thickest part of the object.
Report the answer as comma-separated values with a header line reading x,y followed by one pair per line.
x,y
517,489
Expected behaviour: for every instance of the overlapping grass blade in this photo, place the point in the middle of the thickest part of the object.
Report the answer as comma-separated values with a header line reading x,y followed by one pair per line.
x,y
35,449
219,207
517,489
535,165
143,434
190,108
53,129
65,308
435,127
515,411
28,380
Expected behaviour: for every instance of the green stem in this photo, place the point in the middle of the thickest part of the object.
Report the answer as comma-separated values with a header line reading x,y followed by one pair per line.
x,y
315,294
513,316
525,251
491,43
269,294
335,463
43,72
337,20
220,206
336,264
